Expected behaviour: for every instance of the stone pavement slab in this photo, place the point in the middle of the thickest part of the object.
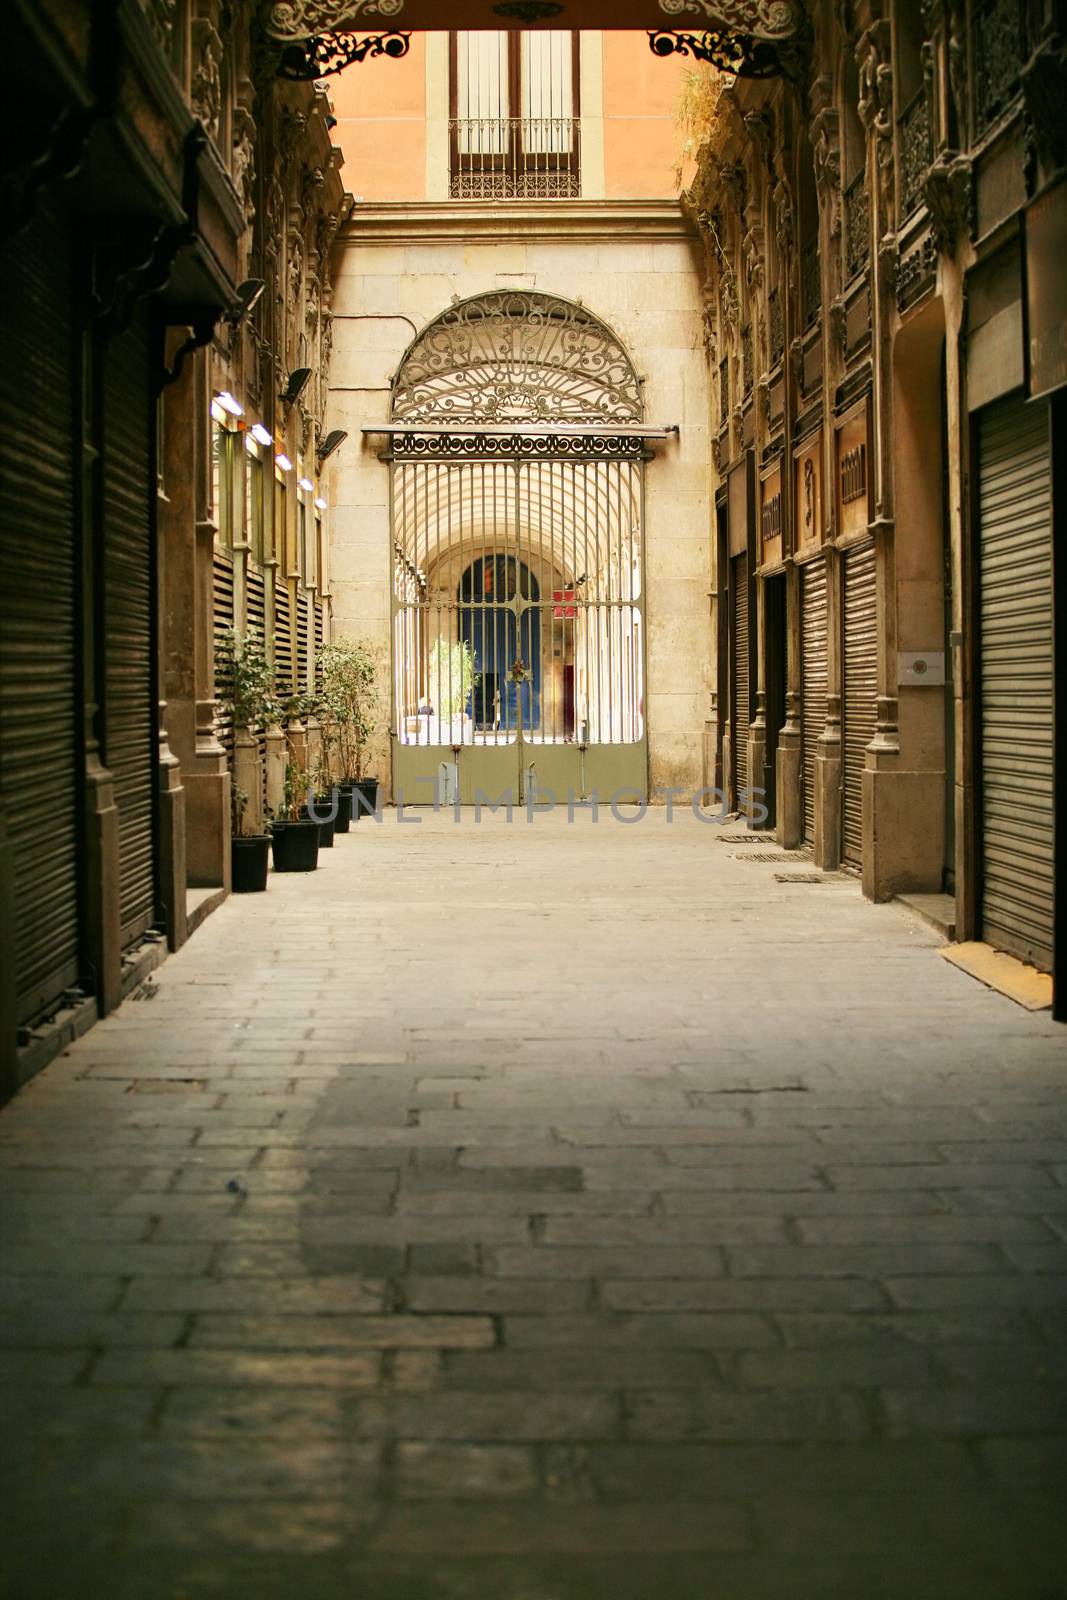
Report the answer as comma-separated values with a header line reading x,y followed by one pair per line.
x,y
541,1212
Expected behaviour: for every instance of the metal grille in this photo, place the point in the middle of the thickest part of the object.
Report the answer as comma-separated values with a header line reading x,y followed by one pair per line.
x,y
1015,548
535,562
861,690
857,226
999,53
224,618
810,281
777,325
256,623
916,153
514,133
813,680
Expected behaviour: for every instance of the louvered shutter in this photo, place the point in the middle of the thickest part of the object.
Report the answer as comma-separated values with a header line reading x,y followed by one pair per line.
x,y
739,651
814,681
860,662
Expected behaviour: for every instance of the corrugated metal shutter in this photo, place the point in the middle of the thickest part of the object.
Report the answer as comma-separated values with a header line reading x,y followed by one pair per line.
x,y
283,640
814,681
1015,555
38,673
303,635
256,623
130,716
222,580
739,653
317,622
859,707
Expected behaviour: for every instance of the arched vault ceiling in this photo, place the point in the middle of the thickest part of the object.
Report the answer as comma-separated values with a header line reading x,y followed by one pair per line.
x,y
762,19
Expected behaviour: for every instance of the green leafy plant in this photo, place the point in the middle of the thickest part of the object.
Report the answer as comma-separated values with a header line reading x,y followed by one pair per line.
x,y
451,674
294,792
238,813
350,699
244,679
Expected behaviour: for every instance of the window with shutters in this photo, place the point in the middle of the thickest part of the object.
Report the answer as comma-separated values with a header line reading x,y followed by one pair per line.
x,y
254,517
514,124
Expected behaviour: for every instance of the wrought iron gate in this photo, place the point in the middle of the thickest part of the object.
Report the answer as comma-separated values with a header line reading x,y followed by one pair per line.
x,y
517,457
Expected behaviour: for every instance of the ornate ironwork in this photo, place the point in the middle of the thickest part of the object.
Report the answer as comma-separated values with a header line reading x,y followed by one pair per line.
x,y
999,52
329,53
736,53
515,158
747,360
302,19
857,226
515,356
777,326
415,446
916,153
528,10
767,19
724,391
810,281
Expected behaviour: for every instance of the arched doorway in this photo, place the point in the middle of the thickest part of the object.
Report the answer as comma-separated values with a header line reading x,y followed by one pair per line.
x,y
500,623
518,455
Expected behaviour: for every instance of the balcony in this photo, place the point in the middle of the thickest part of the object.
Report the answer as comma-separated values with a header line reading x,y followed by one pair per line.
x,y
514,158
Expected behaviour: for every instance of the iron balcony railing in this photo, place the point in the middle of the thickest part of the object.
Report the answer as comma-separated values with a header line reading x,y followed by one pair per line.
x,y
916,153
515,158
857,227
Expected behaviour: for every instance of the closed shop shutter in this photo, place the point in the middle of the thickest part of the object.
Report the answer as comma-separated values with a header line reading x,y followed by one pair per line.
x,y
814,681
739,636
222,582
860,662
1016,665
303,635
39,744
130,719
256,603
283,641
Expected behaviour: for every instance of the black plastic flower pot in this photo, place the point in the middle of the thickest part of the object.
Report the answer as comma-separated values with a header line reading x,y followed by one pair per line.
x,y
248,864
326,829
343,820
364,797
295,845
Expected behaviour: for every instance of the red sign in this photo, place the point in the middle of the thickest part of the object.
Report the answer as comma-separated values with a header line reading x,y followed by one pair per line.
x,y
560,610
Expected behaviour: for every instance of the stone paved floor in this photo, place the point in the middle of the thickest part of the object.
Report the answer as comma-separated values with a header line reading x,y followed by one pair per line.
x,y
544,1213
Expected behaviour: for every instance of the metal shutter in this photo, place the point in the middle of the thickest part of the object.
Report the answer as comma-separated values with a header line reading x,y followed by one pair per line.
x,y
256,623
739,665
283,640
303,631
223,618
814,680
130,719
1015,556
38,668
861,690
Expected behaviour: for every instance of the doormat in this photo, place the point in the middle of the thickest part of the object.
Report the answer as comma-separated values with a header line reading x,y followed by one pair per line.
x,y
739,838
1004,973
799,877
773,855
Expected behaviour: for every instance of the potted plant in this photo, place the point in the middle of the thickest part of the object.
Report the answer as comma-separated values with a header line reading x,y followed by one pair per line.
x,y
295,835
452,681
249,851
320,804
350,694
244,683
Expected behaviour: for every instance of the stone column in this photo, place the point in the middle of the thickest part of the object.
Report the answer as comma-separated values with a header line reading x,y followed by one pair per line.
x,y
789,821
248,778
275,759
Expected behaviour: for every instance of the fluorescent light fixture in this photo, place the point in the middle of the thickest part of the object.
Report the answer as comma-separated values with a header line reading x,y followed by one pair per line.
x,y
260,434
307,485
228,403
320,503
284,462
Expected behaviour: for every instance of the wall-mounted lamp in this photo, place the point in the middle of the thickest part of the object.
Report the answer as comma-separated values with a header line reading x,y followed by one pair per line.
x,y
249,294
298,382
283,461
330,443
307,485
320,504
229,403
260,434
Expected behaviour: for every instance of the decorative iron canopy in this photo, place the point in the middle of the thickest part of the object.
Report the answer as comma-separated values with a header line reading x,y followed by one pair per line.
x,y
773,21
517,357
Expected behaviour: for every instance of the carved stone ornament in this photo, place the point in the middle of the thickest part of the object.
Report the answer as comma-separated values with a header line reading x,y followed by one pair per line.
x,y
206,87
244,159
889,260
826,158
760,128
948,190
838,324
716,454
875,105
752,256
292,131
783,217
